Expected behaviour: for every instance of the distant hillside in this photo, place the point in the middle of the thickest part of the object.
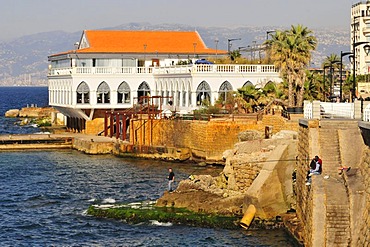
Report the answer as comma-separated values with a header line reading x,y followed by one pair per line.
x,y
23,61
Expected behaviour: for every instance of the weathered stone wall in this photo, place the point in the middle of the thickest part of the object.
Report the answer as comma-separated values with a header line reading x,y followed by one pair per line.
x,y
307,196
93,127
207,139
364,223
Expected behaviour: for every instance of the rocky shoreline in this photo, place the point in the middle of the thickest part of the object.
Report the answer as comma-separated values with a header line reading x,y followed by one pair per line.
x,y
257,172
40,116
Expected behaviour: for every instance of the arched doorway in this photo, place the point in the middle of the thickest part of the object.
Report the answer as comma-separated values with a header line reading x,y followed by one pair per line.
x,y
83,93
103,93
143,90
203,93
124,93
248,84
224,90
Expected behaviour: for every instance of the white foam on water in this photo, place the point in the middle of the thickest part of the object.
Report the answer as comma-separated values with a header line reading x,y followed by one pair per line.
x,y
84,213
92,200
157,223
109,200
104,206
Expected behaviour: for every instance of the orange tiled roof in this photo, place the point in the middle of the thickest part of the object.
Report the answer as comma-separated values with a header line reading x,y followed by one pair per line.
x,y
103,41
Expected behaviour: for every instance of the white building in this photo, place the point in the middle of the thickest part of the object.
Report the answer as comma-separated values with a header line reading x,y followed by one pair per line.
x,y
360,32
110,70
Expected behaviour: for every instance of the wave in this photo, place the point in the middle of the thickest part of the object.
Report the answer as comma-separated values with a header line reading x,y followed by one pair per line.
x,y
157,223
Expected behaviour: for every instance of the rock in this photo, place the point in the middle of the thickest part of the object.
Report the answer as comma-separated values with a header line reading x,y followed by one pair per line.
x,y
36,112
250,135
12,113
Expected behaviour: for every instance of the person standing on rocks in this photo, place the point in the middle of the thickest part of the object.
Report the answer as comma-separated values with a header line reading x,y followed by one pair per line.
x,y
171,179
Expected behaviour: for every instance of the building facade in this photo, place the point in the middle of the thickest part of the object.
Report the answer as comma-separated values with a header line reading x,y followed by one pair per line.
x,y
111,70
360,32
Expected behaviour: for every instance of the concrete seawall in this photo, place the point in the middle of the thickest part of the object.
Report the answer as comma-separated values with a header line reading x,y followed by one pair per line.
x,y
91,145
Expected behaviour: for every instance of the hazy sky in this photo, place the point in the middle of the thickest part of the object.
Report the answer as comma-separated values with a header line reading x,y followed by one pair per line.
x,y
22,17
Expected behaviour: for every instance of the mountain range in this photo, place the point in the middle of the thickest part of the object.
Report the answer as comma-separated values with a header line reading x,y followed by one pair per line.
x,y
23,61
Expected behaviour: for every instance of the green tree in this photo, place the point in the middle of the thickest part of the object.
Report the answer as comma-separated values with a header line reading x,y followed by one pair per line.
x,y
290,50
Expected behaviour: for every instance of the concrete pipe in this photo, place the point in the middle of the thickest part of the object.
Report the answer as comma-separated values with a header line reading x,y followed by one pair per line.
x,y
247,219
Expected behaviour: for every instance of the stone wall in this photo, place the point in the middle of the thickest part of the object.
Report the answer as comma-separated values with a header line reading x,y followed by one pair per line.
x,y
207,139
308,197
364,222
93,127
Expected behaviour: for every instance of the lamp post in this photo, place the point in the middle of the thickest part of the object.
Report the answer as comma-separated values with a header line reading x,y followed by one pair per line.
x,y
268,32
145,45
229,44
342,54
195,46
216,41
324,79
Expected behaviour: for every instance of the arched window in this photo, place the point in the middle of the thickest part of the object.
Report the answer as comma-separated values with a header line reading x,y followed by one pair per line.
x,y
83,93
143,90
103,93
203,93
124,93
224,90
248,84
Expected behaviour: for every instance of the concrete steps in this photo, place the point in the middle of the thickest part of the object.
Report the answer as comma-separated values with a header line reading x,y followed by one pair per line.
x,y
338,124
337,202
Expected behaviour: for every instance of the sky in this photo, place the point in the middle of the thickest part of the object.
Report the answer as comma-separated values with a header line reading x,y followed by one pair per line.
x,y
24,17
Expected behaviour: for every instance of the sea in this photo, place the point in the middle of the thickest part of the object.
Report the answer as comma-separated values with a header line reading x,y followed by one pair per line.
x,y
44,195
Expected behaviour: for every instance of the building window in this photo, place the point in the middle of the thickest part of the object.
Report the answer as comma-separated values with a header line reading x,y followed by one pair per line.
x,y
224,90
143,90
83,93
203,93
103,93
124,93
248,84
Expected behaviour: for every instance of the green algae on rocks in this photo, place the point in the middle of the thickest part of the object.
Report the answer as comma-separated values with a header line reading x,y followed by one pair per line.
x,y
146,212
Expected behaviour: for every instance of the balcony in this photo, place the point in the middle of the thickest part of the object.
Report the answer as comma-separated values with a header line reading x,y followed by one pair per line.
x,y
185,69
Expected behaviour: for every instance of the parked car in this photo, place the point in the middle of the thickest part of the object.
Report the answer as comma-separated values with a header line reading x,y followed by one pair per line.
x,y
203,61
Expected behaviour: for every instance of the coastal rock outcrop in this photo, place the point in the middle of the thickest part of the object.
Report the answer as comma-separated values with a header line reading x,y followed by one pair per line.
x,y
36,112
12,113
257,171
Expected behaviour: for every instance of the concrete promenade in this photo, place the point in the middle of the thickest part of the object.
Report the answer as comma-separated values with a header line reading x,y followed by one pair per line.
x,y
51,141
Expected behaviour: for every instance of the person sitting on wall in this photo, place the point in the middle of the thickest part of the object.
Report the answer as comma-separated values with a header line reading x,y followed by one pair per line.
x,y
315,169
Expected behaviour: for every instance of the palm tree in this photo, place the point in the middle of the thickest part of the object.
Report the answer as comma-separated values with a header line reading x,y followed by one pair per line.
x,y
333,62
291,52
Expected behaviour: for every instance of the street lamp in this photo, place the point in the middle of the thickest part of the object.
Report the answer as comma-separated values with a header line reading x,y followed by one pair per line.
x,y
331,78
229,44
342,54
268,32
216,41
195,45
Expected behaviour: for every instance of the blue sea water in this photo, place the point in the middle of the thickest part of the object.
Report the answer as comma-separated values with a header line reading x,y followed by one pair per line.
x,y
17,98
44,196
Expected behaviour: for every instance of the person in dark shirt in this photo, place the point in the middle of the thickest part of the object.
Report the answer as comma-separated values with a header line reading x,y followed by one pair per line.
x,y
315,169
171,179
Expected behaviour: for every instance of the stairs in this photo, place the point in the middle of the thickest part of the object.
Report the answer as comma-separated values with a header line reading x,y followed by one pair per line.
x,y
337,199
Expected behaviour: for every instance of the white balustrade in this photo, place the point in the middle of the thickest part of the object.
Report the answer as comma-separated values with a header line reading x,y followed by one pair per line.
x,y
183,69
343,110
308,110
366,115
